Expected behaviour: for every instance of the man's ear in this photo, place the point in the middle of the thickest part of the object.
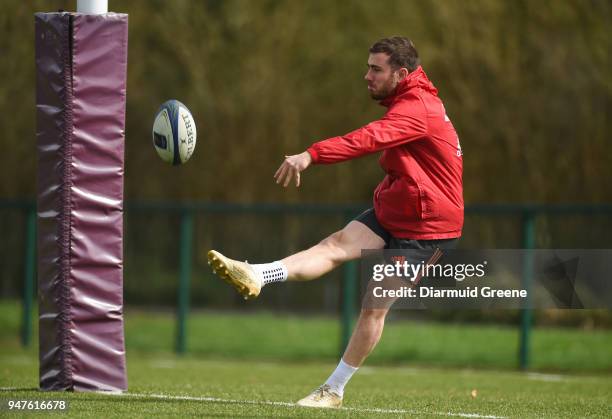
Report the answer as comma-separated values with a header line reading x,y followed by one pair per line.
x,y
403,73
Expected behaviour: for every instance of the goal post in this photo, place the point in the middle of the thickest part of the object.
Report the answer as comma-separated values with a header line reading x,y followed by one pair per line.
x,y
81,65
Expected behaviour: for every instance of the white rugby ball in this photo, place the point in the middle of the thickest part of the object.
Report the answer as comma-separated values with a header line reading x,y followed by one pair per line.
x,y
174,132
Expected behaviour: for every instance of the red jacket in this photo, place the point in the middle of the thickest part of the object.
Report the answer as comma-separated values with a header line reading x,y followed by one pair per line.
x,y
421,197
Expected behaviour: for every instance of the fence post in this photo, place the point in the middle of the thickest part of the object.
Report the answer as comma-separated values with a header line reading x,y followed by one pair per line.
x,y
349,293
186,240
349,296
28,280
526,313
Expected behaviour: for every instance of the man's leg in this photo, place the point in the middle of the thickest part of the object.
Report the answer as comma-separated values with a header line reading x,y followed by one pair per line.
x,y
368,330
366,335
340,247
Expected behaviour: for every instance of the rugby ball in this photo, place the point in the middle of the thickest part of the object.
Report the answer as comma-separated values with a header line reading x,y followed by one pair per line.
x,y
174,132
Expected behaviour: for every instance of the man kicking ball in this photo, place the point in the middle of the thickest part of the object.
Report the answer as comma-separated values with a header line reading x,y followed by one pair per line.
x,y
418,204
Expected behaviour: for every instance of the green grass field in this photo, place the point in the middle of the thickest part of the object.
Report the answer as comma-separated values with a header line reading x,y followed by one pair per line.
x,y
171,387
257,365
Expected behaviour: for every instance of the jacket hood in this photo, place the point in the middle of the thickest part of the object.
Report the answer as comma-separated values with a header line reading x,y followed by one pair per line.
x,y
417,78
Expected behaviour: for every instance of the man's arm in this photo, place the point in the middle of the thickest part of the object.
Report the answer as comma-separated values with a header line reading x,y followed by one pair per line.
x,y
390,131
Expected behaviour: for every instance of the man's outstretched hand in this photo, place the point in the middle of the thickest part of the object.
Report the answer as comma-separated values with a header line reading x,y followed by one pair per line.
x,y
291,167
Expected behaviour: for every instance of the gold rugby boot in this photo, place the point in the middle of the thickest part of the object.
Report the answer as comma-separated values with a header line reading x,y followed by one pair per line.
x,y
238,274
322,397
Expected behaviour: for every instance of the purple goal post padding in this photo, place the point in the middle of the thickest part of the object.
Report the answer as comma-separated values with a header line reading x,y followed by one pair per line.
x,y
81,64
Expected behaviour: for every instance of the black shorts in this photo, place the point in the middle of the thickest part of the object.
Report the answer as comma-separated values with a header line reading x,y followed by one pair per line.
x,y
368,217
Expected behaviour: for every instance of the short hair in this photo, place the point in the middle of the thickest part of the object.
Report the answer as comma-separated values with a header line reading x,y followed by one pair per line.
x,y
401,52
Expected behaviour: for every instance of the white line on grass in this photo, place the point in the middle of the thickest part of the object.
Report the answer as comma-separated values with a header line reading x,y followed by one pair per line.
x,y
286,404
545,377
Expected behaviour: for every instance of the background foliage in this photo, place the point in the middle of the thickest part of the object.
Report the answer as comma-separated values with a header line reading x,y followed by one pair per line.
x,y
527,84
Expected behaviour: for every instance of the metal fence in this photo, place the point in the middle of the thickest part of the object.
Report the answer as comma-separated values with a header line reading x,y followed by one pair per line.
x,y
271,231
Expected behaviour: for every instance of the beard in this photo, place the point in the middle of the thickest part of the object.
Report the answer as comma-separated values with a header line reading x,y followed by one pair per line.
x,y
384,91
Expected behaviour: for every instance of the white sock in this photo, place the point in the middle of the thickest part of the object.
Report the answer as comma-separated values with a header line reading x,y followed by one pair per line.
x,y
271,272
340,377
